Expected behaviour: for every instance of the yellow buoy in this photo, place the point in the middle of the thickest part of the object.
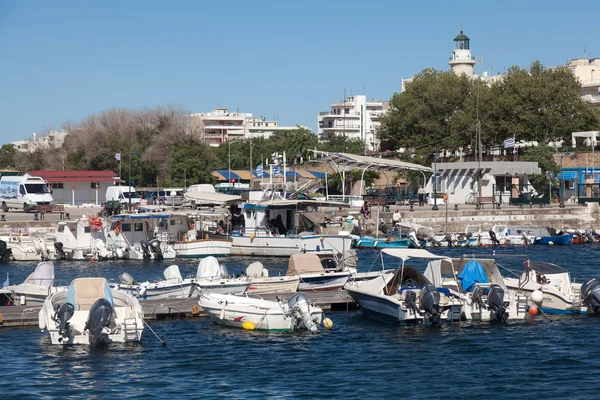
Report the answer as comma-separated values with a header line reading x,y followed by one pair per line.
x,y
195,310
327,323
550,243
248,325
252,236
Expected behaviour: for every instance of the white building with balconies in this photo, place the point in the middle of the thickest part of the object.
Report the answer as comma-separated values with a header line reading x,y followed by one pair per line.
x,y
354,118
221,125
587,70
52,140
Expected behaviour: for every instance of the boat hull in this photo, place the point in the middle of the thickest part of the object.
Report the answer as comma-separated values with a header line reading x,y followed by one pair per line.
x,y
227,287
280,284
158,292
323,281
285,246
203,248
383,308
562,240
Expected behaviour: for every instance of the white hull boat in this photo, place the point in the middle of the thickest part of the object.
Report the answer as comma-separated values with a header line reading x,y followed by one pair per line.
x,y
251,313
313,276
212,277
172,287
34,289
285,246
89,312
203,248
261,283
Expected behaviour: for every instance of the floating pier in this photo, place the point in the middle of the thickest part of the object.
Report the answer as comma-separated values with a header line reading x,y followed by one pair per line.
x,y
163,309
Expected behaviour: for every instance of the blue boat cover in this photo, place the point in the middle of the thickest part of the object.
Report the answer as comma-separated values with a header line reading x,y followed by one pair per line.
x,y
471,274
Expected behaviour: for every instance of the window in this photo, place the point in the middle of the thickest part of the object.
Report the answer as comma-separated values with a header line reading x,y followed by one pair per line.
x,y
172,222
347,111
22,189
126,227
87,229
93,185
57,185
138,227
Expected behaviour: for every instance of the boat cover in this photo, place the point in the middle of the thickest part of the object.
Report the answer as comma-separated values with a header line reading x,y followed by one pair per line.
x,y
209,268
83,292
172,272
472,273
349,259
255,270
43,274
304,263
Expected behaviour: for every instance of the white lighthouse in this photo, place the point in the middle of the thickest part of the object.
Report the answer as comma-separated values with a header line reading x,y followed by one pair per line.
x,y
462,61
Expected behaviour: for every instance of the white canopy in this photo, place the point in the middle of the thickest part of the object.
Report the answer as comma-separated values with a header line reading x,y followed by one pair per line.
x,y
211,198
255,270
208,268
382,164
406,254
172,272
43,274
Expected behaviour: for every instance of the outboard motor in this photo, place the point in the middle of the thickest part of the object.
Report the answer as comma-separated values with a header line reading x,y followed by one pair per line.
x,y
62,316
590,236
60,251
590,294
126,279
434,241
145,250
477,296
413,240
493,238
155,246
496,303
300,310
448,239
429,302
5,252
98,321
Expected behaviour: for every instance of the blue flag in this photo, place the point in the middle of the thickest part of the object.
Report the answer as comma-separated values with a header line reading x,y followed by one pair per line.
x,y
276,170
259,171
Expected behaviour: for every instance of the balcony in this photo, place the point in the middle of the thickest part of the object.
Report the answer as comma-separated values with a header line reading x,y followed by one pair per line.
x,y
590,82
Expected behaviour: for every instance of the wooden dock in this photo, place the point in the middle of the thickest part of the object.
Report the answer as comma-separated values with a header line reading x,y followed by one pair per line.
x,y
163,309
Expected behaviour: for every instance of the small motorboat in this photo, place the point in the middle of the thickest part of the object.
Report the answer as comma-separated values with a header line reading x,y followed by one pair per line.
x,y
549,237
212,277
91,313
251,313
172,287
34,289
261,282
313,276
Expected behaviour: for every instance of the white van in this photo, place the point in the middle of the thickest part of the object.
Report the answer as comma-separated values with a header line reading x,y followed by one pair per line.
x,y
24,192
123,194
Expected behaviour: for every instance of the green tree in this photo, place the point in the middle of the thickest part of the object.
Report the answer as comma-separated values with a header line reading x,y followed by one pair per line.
x,y
7,156
342,144
194,159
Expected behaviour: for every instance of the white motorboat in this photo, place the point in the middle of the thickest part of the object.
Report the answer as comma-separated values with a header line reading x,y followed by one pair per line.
x,y
313,277
81,240
270,230
27,246
501,235
34,289
212,277
205,237
405,297
479,286
554,291
251,313
174,286
89,312
138,237
261,282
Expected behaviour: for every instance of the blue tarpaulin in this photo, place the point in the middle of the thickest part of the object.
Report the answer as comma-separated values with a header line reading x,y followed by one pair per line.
x,y
471,274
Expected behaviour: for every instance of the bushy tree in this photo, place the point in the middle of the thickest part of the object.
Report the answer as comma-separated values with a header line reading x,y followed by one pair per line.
x,y
193,159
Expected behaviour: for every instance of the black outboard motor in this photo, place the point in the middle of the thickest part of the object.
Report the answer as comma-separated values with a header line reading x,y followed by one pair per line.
x,y
145,250
429,302
590,294
448,239
155,246
63,315
496,303
5,252
98,321
493,238
60,252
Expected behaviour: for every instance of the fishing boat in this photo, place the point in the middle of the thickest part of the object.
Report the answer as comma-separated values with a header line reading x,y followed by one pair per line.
x,y
549,287
313,276
405,297
89,312
501,235
206,236
252,313
173,286
82,239
23,245
271,230
261,282
34,289
212,277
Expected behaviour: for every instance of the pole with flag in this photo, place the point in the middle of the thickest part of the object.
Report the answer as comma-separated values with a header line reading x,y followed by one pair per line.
x,y
510,144
118,158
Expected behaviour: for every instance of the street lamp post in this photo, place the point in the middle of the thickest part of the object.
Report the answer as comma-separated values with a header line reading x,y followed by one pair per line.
x,y
133,154
435,206
561,202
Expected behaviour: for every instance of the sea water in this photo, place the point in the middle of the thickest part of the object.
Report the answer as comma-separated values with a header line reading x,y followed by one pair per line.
x,y
359,358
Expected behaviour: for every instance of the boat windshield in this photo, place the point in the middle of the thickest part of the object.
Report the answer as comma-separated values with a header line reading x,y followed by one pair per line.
x,y
546,268
36,188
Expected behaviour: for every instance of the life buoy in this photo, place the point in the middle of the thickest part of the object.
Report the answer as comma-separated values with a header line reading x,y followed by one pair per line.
x,y
95,223
117,227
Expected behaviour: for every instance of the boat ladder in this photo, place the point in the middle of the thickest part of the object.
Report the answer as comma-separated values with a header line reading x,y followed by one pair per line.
x,y
456,312
576,297
521,304
130,329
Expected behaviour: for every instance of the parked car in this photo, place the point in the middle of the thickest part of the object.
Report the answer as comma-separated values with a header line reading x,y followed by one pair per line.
x,y
165,197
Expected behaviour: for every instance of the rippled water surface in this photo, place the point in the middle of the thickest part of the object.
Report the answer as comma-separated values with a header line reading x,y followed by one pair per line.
x,y
358,358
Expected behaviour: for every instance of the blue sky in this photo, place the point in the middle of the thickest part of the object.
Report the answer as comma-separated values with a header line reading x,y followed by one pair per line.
x,y
62,61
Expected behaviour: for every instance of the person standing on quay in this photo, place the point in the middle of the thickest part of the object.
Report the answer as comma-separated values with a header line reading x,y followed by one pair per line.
x,y
421,193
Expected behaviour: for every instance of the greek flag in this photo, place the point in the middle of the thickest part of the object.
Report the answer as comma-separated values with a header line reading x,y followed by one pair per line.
x,y
118,156
276,170
259,171
509,143
6,282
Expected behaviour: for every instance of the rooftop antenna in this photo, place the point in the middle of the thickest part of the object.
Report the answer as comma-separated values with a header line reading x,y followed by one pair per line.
x,y
585,52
